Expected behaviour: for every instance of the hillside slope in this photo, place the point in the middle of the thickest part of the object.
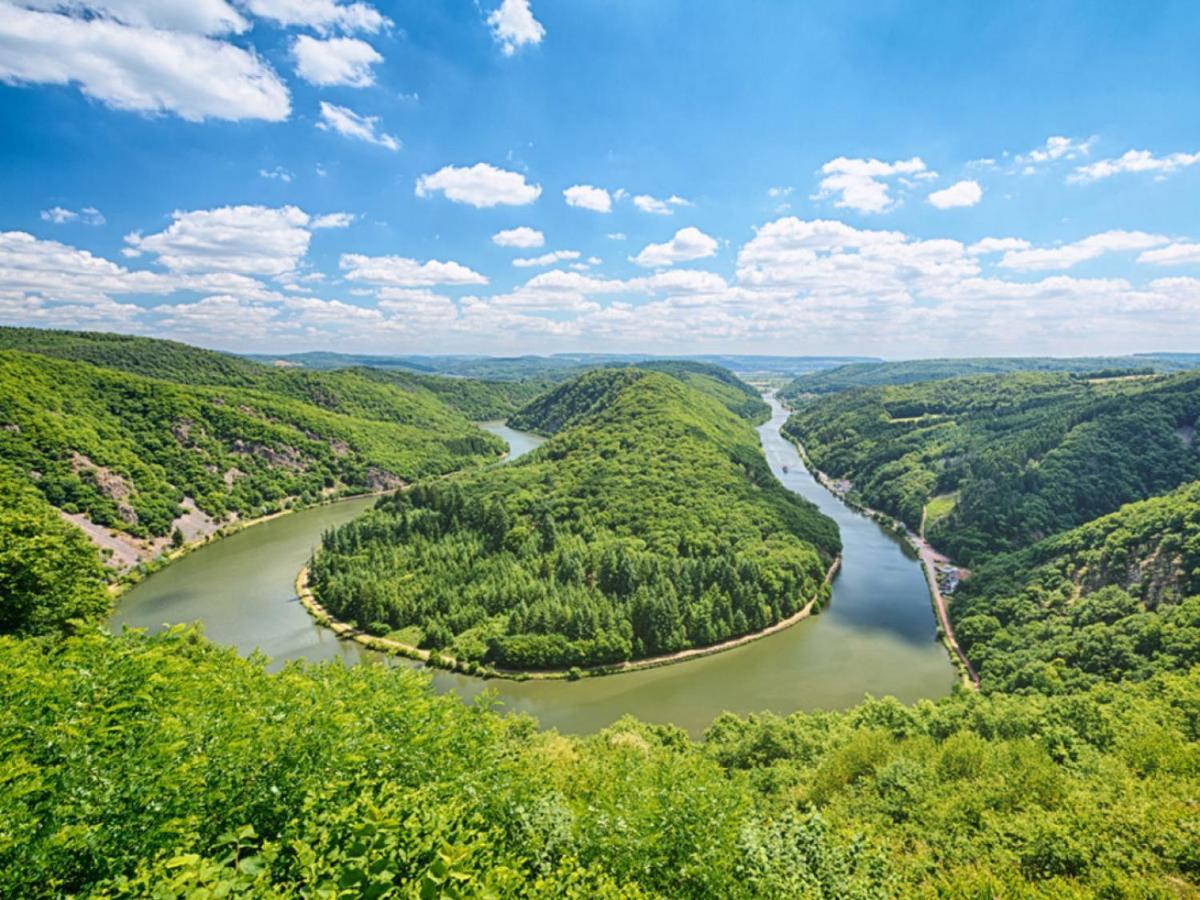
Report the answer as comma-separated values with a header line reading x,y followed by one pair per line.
x,y
135,454
1019,457
1117,598
650,523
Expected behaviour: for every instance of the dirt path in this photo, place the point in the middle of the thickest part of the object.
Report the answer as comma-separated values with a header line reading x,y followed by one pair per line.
x,y
387,645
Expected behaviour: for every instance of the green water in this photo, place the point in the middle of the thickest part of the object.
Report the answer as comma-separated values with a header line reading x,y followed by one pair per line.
x,y
877,636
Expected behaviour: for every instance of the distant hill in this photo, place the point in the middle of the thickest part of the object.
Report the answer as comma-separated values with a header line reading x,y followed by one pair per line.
x,y
876,374
569,403
556,366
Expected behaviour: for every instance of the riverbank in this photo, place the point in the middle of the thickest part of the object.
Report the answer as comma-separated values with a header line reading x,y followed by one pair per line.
x,y
928,556
435,659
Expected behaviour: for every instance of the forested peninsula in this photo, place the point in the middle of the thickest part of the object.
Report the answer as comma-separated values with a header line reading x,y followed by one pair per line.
x,y
647,525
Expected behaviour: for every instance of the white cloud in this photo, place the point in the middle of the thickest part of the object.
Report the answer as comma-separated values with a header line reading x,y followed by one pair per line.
x,y
586,196
321,15
1134,161
860,183
139,68
513,26
778,193
687,244
89,215
279,173
350,124
1179,254
648,204
1056,148
962,193
398,271
989,245
211,17
337,61
1067,255
616,236
252,240
547,259
332,220
522,237
480,185
33,267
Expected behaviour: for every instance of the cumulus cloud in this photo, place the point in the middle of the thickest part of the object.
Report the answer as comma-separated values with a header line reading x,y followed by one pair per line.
x,y
279,173
586,196
1056,148
143,69
990,245
653,205
1065,256
861,184
210,17
350,124
1179,254
89,215
688,244
250,240
962,193
336,61
522,237
1134,161
332,220
547,259
399,271
321,15
481,185
513,26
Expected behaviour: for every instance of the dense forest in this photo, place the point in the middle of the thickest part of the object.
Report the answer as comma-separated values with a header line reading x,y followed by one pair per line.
x,y
650,523
1115,599
912,371
163,766
1014,458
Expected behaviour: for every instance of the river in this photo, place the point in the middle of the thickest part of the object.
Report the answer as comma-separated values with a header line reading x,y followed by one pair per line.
x,y
877,636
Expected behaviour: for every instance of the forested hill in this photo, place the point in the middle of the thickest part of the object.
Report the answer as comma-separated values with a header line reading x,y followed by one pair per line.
x,y
878,374
1117,598
1012,459
376,393
125,450
573,401
648,524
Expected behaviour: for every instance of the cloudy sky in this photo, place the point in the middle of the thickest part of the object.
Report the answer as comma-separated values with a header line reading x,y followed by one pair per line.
x,y
891,178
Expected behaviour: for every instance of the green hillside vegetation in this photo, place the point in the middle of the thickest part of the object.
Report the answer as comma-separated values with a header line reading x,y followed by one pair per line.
x,y
126,449
1029,455
574,401
357,391
1118,598
879,374
163,766
650,523
49,573
737,396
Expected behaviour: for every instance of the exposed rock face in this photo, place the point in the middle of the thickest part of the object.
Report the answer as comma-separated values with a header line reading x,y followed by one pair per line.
x,y
285,456
340,448
183,430
109,483
16,429
231,475
383,480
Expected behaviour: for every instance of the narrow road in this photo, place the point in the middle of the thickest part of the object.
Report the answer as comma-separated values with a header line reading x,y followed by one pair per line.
x,y
930,559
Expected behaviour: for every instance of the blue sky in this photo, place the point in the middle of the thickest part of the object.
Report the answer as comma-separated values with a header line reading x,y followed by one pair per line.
x,y
901,179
